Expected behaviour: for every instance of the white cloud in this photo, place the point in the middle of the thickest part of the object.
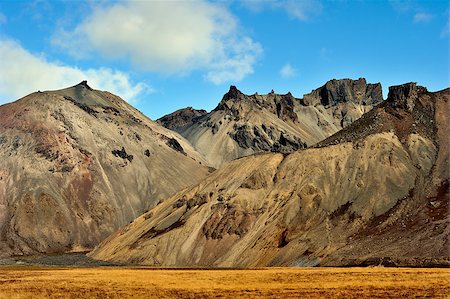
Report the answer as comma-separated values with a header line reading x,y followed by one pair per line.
x,y
303,10
237,65
287,71
422,17
23,72
166,37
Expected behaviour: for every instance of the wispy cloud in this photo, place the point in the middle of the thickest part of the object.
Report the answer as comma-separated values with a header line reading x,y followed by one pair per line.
x,y
162,37
412,6
401,5
3,19
303,10
324,53
38,9
422,17
446,30
288,71
24,72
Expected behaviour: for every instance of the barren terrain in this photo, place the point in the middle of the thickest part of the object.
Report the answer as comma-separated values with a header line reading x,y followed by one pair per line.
x,y
114,282
79,163
243,124
376,193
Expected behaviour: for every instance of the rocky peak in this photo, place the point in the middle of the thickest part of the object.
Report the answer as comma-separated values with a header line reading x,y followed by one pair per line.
x,y
181,118
405,96
233,93
85,95
84,84
345,90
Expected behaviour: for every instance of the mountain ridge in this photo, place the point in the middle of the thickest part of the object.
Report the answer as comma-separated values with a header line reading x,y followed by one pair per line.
x,y
243,124
380,199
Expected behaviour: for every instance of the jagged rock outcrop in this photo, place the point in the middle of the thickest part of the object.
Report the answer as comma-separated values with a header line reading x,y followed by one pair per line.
x,y
181,118
79,163
376,193
405,96
345,90
243,124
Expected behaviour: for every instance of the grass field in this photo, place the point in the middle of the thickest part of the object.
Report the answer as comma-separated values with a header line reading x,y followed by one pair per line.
x,y
118,282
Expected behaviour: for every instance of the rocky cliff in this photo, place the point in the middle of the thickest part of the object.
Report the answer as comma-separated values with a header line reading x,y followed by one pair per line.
x,y
77,164
246,124
376,193
181,118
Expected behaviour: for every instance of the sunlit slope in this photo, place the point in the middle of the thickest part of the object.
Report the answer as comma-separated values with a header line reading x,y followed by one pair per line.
x,y
76,164
375,193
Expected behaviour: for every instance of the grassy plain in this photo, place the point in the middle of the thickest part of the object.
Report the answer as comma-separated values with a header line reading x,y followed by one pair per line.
x,y
139,282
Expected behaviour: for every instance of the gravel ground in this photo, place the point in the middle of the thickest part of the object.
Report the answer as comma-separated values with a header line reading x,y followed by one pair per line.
x,y
79,259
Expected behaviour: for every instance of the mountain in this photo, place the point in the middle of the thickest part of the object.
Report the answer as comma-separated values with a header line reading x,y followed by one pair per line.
x,y
79,163
375,193
242,124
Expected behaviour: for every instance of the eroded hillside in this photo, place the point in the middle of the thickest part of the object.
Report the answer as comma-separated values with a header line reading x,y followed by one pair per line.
x,y
79,163
375,193
246,124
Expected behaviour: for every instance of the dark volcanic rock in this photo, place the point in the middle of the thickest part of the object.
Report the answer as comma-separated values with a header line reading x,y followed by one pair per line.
x,y
174,144
242,136
345,90
285,107
181,118
405,96
82,106
85,85
288,143
233,93
263,139
122,154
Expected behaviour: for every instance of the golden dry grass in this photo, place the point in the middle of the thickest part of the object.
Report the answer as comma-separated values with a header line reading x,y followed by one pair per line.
x,y
269,282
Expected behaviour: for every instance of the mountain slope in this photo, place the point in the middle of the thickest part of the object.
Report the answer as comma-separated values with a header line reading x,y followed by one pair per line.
x,y
245,124
79,163
375,193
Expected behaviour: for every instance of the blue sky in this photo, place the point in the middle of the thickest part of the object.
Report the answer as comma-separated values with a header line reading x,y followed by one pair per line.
x,y
166,55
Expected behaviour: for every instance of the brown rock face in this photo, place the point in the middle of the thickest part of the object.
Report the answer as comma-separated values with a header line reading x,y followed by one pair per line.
x,y
345,90
405,96
79,163
375,193
243,124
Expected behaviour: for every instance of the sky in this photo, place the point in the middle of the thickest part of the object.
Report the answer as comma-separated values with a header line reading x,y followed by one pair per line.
x,y
161,56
